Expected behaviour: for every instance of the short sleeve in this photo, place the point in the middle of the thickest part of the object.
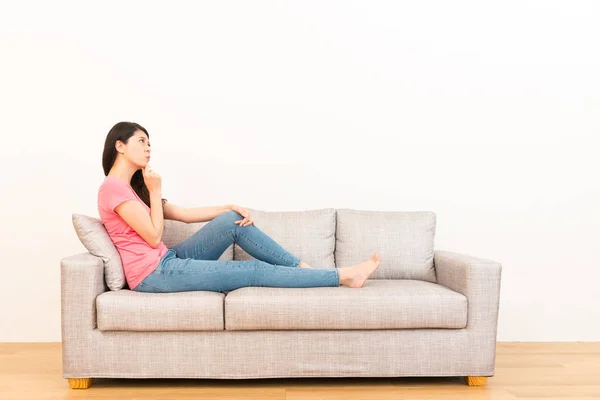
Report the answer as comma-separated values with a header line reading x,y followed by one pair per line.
x,y
114,195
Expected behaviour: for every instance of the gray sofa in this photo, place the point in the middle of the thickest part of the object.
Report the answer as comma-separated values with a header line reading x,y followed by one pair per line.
x,y
424,312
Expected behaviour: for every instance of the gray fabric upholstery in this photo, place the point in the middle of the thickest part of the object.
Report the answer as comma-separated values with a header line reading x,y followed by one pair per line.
x,y
309,235
479,280
404,240
399,326
127,310
379,304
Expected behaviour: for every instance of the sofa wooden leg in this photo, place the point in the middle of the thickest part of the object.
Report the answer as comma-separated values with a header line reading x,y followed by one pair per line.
x,y
80,383
476,380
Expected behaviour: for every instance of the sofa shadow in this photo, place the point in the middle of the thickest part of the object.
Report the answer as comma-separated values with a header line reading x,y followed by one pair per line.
x,y
276,382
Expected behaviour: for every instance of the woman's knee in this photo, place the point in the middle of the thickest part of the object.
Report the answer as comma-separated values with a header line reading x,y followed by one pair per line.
x,y
229,217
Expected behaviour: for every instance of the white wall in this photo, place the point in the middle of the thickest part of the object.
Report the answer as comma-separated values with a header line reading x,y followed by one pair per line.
x,y
486,114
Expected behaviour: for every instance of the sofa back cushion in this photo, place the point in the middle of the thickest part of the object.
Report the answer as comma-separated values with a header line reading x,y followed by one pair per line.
x,y
404,239
309,235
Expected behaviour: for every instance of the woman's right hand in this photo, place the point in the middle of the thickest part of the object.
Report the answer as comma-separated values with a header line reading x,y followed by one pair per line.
x,y
151,179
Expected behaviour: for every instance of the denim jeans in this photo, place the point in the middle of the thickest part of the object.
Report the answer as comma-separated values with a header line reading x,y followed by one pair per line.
x,y
193,264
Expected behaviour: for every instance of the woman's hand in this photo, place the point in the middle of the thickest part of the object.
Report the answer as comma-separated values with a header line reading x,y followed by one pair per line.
x,y
151,179
244,213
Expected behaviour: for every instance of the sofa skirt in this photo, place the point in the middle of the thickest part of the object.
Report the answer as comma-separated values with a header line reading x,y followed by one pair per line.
x,y
279,354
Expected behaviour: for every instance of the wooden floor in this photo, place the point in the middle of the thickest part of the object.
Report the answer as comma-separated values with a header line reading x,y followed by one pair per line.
x,y
569,371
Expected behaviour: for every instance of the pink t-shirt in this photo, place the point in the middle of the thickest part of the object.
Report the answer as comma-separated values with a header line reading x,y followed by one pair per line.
x,y
138,257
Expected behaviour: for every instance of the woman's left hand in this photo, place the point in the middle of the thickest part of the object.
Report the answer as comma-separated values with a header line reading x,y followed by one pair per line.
x,y
244,213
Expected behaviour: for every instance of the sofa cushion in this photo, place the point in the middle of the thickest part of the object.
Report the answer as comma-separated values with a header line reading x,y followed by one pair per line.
x,y
379,304
94,237
309,234
404,239
127,310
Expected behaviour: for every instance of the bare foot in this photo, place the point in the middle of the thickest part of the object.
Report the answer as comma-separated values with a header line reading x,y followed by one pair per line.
x,y
356,275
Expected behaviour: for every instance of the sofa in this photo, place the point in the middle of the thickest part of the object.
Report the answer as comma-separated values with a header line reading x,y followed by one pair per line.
x,y
423,313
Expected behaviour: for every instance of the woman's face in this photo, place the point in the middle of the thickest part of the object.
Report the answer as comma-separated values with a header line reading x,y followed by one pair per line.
x,y
138,149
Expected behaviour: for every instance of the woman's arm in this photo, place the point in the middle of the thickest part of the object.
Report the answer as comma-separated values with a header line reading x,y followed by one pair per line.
x,y
195,214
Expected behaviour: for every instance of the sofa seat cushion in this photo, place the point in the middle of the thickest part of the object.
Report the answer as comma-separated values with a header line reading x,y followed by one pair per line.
x,y
127,310
379,304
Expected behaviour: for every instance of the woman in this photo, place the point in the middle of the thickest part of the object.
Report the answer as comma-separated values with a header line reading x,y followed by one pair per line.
x,y
133,212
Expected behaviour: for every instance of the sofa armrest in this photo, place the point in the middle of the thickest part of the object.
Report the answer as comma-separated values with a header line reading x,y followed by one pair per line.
x,y
476,278
81,281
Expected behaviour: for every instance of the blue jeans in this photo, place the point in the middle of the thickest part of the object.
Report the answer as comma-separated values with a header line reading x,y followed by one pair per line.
x,y
193,264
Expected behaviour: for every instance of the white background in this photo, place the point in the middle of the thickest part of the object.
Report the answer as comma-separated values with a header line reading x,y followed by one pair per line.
x,y
485,113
